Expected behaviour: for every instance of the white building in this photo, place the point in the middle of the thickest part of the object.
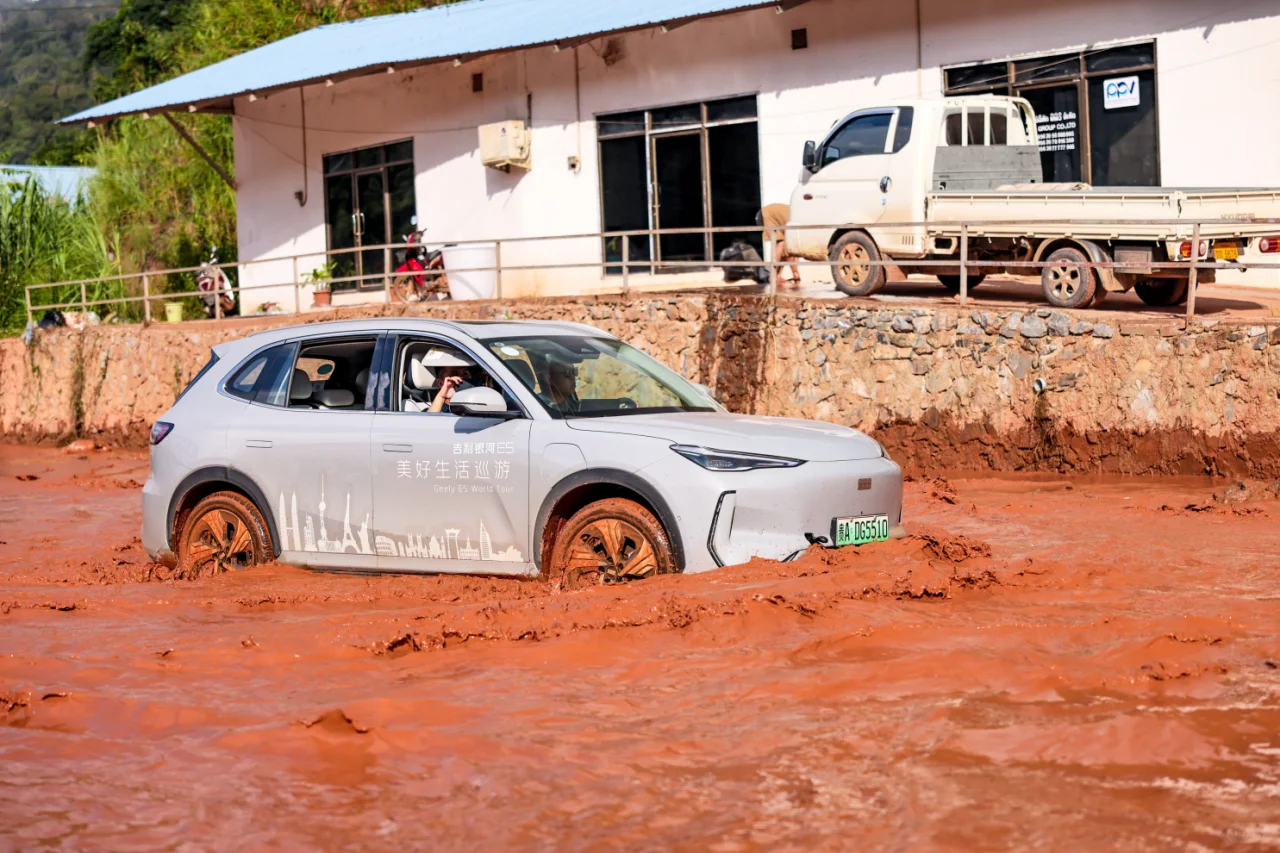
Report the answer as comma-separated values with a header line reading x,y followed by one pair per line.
x,y
636,125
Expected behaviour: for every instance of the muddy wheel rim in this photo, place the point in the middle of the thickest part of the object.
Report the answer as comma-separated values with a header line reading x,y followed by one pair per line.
x,y
1064,281
220,541
614,549
853,268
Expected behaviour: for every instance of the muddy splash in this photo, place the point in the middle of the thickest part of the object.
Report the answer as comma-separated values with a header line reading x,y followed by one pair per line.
x,y
1071,664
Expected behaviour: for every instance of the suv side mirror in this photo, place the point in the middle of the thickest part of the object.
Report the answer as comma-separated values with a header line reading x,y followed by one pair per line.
x,y
480,402
810,160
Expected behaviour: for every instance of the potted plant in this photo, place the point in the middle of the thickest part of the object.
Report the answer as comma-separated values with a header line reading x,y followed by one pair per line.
x,y
321,289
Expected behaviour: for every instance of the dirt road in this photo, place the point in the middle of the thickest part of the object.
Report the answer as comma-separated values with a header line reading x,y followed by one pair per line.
x,y
1084,665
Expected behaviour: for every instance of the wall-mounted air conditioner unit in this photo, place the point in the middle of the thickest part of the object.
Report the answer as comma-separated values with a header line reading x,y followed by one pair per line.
x,y
504,145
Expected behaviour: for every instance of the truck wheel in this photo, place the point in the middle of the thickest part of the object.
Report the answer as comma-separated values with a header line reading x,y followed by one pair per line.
x,y
1162,292
223,532
1065,284
612,541
952,282
853,275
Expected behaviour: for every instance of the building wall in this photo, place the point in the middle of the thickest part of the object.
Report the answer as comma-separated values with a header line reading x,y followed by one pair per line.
x,y
860,52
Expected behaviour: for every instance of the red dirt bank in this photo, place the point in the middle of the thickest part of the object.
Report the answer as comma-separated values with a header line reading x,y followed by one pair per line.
x,y
1079,665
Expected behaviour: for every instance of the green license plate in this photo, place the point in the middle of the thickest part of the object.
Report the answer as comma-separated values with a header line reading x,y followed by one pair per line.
x,y
861,530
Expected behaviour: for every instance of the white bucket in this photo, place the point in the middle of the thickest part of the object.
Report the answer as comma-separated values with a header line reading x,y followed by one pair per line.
x,y
466,285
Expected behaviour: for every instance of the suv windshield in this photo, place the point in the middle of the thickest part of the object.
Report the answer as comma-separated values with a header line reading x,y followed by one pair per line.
x,y
579,377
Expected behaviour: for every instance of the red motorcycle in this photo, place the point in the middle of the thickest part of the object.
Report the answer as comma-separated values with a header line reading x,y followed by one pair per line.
x,y
420,277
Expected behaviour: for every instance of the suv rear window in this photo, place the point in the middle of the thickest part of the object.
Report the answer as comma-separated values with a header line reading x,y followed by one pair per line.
x,y
264,377
208,365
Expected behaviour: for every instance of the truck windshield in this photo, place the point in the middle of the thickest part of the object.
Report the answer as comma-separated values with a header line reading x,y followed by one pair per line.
x,y
581,377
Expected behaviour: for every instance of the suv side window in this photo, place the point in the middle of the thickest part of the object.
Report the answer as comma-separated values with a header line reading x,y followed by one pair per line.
x,y
861,135
330,375
263,378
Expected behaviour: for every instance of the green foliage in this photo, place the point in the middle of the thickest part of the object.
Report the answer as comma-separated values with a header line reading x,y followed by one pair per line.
x,y
43,79
43,238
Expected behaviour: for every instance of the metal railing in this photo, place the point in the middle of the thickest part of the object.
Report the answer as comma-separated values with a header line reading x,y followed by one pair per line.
x,y
965,233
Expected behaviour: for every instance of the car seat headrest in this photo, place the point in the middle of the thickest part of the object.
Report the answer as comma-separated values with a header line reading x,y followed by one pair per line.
x,y
421,378
300,386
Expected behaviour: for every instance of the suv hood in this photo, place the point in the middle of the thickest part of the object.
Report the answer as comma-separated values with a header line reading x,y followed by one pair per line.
x,y
812,441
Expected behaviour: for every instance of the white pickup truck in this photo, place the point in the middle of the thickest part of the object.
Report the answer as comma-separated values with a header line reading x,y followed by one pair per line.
x,y
975,159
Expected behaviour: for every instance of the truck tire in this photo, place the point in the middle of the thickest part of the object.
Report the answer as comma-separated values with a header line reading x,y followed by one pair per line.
x,y
848,258
1065,284
1162,292
611,541
952,282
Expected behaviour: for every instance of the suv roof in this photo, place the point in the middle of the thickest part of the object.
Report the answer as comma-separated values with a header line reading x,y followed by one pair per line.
x,y
475,329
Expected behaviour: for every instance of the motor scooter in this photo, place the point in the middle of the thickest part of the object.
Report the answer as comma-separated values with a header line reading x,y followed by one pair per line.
x,y
420,277
214,287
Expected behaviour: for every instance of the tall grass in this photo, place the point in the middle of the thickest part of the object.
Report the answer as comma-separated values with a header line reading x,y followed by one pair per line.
x,y
44,238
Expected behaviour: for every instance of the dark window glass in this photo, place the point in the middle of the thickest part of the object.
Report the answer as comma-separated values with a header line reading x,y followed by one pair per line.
x,y
261,374
734,164
994,75
732,108
1058,128
999,128
368,157
1045,68
273,385
1122,140
337,163
860,136
902,135
620,123
400,152
1125,56
676,116
403,201
977,133
799,39
625,190
954,128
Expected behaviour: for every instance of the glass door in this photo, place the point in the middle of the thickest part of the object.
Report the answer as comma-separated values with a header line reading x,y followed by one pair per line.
x,y
371,216
369,201
679,198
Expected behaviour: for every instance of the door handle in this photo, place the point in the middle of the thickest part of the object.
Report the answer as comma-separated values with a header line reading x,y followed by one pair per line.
x,y
257,442
886,184
398,448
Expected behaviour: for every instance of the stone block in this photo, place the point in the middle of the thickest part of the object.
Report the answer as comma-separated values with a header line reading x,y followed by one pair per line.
x,y
920,366
922,325
902,324
1020,362
1033,327
1102,330
1059,324
1081,327
967,328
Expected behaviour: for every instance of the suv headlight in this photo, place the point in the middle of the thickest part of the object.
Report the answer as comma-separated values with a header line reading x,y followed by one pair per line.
x,y
731,460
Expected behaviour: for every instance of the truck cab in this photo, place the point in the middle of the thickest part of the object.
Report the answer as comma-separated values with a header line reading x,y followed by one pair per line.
x,y
877,166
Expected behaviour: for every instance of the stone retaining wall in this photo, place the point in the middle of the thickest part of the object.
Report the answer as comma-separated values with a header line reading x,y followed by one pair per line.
x,y
942,388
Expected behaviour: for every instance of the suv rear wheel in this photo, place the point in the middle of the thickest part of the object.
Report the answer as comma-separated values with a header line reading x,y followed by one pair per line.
x,y
853,275
612,540
223,532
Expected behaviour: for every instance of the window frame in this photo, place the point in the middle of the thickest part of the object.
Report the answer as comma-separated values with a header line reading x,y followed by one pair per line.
x,y
1010,85
298,344
393,366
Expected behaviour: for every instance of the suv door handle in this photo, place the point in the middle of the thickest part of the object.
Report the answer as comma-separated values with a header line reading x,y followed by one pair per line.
x,y
398,448
257,442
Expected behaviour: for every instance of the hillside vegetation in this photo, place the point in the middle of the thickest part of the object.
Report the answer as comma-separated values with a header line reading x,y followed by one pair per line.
x,y
154,202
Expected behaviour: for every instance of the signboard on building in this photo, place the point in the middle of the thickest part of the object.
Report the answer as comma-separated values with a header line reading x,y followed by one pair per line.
x,y
1057,131
1121,92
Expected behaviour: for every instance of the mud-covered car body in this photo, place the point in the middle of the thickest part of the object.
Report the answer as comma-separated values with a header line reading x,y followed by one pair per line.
x,y
324,428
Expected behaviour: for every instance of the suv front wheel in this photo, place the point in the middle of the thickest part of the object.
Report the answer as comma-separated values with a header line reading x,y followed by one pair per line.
x,y
612,540
223,532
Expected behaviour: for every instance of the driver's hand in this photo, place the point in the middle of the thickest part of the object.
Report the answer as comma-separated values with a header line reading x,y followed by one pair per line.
x,y
449,386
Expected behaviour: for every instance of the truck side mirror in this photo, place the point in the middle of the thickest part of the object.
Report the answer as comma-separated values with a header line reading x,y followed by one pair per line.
x,y
810,160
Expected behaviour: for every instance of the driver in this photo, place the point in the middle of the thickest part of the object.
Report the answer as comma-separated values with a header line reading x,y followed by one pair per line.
x,y
561,387
453,373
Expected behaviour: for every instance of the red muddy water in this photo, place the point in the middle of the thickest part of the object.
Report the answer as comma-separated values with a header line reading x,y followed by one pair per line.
x,y
1073,665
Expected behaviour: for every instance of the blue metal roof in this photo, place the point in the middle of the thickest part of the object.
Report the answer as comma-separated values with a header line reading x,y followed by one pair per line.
x,y
65,181
457,30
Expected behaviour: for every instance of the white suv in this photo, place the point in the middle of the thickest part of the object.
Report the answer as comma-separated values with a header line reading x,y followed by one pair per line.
x,y
490,448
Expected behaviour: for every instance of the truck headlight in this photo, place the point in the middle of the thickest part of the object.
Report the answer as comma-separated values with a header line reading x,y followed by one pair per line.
x,y
732,460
